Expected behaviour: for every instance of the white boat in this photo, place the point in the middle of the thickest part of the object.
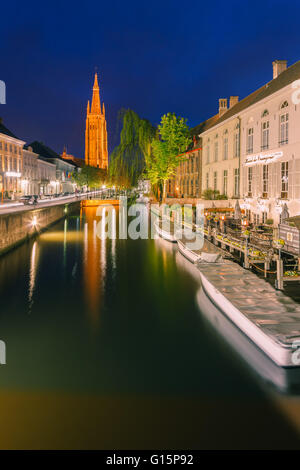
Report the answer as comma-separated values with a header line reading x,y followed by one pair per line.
x,y
164,234
189,254
287,380
281,353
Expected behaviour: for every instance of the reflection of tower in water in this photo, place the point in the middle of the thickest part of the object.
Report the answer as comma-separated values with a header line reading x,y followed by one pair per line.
x,y
95,257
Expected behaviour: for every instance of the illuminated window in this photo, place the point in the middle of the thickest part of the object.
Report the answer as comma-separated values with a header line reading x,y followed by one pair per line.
x,y
265,135
265,180
250,132
284,180
284,129
250,174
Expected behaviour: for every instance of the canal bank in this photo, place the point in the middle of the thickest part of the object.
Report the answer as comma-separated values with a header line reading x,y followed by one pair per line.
x,y
17,228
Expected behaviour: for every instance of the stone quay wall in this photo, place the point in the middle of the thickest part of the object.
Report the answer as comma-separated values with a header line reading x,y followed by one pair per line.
x,y
17,227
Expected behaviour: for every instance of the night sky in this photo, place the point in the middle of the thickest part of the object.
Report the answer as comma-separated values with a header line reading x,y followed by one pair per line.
x,y
153,57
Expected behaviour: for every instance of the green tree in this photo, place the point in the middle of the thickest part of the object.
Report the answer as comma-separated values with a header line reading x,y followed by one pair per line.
x,y
172,139
90,176
127,161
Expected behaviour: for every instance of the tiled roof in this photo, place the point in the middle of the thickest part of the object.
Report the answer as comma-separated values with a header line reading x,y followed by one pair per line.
x,y
42,150
285,78
4,130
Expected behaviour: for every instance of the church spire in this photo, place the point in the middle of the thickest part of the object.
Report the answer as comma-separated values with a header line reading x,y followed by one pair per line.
x,y
88,107
103,109
96,106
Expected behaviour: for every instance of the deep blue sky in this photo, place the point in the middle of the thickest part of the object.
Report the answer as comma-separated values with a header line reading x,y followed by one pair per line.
x,y
153,57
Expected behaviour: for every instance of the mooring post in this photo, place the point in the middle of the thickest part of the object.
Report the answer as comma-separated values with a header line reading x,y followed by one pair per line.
x,y
246,257
279,263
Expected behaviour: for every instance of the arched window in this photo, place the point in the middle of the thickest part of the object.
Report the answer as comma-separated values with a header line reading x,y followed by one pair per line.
x,y
284,105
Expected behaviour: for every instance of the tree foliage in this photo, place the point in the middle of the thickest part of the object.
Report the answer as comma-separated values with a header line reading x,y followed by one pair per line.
x,y
90,176
127,161
172,139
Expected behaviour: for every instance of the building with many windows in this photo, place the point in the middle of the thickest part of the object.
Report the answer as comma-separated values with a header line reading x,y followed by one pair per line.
x,y
64,168
187,181
11,162
270,152
30,176
221,151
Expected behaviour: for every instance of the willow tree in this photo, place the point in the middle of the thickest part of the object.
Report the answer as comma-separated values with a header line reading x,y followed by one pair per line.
x,y
127,161
173,139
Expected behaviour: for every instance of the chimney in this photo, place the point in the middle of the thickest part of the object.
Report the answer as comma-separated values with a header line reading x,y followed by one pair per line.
x,y
233,100
222,106
278,67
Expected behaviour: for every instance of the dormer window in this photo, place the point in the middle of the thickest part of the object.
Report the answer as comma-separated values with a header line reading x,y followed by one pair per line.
x,y
284,105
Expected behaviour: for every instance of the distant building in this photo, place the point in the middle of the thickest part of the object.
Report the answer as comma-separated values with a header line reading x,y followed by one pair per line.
x,y
64,169
78,161
30,174
96,132
48,184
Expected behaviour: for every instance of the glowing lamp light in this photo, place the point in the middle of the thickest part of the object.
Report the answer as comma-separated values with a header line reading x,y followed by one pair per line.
x,y
223,217
34,221
103,186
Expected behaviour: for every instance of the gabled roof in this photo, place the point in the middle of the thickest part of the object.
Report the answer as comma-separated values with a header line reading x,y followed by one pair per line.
x,y
41,149
285,78
4,130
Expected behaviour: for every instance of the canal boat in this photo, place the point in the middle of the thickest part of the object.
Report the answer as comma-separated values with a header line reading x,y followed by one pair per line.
x,y
164,233
191,255
286,380
267,317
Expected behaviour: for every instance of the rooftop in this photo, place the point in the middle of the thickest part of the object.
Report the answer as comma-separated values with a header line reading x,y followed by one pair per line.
x,y
285,78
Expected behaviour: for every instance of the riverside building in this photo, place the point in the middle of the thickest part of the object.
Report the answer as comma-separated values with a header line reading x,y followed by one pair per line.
x,y
270,153
11,162
251,149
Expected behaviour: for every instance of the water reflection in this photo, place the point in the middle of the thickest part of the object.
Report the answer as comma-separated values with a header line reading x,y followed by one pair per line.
x,y
32,274
115,339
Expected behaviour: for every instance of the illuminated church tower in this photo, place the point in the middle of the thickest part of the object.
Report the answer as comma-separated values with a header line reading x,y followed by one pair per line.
x,y
96,132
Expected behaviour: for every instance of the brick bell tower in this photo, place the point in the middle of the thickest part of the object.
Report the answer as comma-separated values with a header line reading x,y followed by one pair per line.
x,y
96,132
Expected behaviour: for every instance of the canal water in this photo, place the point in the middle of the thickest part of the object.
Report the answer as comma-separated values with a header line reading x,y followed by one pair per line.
x,y
107,348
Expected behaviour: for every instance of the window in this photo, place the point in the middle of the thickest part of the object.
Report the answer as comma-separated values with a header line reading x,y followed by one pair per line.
x,y
250,140
236,182
284,180
250,174
236,144
265,180
207,154
225,181
216,151
225,148
265,135
192,187
284,129
207,180
264,217
215,180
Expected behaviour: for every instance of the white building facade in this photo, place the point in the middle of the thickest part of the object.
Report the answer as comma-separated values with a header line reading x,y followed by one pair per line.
x,y
47,178
30,174
270,148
